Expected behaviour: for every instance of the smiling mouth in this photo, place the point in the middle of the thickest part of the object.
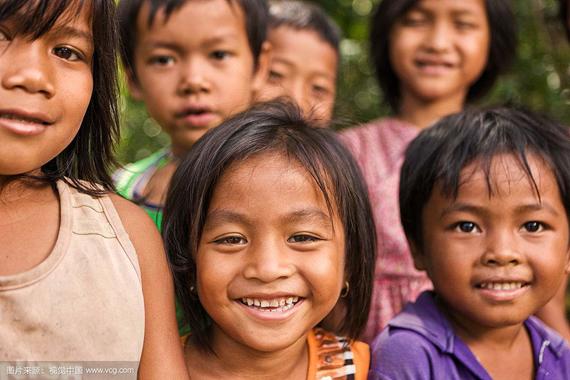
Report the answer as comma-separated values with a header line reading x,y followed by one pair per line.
x,y
280,304
502,286
23,119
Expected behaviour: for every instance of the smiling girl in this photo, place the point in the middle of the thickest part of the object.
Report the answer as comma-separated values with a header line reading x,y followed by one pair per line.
x,y
275,228
76,262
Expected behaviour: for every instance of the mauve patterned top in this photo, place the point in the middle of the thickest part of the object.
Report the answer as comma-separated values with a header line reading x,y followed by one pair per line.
x,y
379,149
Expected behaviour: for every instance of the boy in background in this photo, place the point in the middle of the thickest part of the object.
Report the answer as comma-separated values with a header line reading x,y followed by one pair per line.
x,y
305,57
193,64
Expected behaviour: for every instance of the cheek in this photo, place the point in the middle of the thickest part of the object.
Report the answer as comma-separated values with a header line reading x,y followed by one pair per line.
x,y
476,52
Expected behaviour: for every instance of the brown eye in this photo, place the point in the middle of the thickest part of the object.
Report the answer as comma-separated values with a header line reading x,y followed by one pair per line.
x,y
466,227
67,53
533,226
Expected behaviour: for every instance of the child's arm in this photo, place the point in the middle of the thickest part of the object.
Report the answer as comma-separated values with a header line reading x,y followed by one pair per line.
x,y
162,356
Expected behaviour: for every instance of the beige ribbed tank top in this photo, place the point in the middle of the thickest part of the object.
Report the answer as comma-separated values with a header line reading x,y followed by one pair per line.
x,y
84,302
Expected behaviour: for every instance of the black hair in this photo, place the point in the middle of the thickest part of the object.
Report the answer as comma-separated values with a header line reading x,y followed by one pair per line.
x,y
439,153
272,127
502,46
255,15
564,16
87,160
301,15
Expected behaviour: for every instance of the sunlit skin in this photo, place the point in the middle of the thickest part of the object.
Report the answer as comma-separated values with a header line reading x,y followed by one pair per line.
x,y
268,234
482,241
192,75
303,67
438,49
37,120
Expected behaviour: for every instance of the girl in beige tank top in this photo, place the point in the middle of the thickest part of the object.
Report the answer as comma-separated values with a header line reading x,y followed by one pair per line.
x,y
83,275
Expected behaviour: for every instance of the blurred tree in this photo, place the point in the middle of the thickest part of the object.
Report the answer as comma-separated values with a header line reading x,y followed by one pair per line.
x,y
539,79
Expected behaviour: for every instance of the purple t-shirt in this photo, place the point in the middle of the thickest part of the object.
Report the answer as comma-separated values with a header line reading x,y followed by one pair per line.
x,y
420,344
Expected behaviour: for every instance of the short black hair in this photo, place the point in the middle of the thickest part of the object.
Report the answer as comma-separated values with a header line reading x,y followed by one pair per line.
x,y
255,14
439,153
301,15
88,159
502,49
272,127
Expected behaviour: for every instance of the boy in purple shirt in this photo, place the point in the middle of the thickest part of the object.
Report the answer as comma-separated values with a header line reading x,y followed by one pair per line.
x,y
485,205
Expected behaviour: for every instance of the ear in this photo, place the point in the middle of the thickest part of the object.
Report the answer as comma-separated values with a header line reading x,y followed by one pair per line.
x,y
262,70
417,255
134,86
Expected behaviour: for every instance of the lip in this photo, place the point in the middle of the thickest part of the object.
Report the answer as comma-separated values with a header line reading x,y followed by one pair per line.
x,y
502,295
196,115
24,123
433,66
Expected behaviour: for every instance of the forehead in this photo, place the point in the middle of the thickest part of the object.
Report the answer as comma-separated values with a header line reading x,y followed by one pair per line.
x,y
303,48
505,176
257,179
476,7
194,21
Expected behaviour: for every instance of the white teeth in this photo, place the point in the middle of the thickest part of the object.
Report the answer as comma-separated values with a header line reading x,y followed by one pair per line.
x,y
501,285
277,304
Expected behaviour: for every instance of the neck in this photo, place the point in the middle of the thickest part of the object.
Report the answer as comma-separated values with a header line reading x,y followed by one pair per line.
x,y
14,190
479,337
423,113
237,361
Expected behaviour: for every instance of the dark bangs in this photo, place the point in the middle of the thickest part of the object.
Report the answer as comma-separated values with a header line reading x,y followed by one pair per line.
x,y
440,153
87,160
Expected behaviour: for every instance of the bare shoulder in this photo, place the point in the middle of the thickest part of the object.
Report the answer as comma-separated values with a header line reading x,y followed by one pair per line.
x,y
140,227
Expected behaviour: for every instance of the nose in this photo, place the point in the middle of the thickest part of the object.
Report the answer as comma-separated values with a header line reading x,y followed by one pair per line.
x,y
27,67
298,92
194,78
438,38
268,261
502,250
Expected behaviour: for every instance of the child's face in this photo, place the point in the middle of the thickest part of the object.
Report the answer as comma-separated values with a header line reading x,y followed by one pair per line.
x,y
495,259
270,262
304,68
439,48
194,69
45,89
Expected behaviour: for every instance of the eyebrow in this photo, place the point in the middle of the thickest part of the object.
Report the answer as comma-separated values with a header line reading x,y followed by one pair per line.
x,y
465,207
69,31
309,214
221,216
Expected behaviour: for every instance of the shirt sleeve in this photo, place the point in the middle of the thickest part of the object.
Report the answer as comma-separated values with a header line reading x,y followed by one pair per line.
x,y
402,355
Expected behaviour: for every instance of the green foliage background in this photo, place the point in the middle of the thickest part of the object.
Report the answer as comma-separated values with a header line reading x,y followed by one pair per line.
x,y
539,79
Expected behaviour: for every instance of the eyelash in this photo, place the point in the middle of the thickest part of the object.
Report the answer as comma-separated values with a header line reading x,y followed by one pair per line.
x,y
541,226
231,240
59,49
305,239
457,227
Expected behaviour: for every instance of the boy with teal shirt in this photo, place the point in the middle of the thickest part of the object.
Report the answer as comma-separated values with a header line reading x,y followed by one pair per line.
x,y
190,75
